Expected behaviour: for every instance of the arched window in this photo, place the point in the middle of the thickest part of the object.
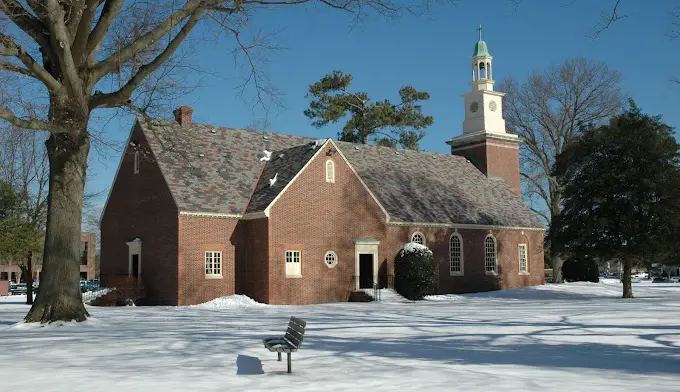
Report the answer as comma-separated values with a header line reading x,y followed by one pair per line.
x,y
490,265
136,164
418,238
456,254
330,171
523,259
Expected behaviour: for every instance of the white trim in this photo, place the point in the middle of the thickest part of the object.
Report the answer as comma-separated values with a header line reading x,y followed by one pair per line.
x,y
210,214
462,257
483,135
519,259
331,178
422,236
285,188
462,226
483,143
285,261
254,215
387,216
335,259
135,248
495,255
365,247
205,261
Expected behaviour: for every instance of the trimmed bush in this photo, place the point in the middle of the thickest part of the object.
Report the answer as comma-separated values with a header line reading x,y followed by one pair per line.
x,y
580,269
416,272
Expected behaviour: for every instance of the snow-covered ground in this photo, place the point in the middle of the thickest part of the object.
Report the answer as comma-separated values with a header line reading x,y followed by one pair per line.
x,y
572,337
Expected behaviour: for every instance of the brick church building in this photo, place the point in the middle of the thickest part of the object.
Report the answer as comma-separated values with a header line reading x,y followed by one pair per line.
x,y
199,212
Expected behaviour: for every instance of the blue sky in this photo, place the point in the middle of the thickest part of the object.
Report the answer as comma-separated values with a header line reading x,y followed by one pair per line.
x,y
432,54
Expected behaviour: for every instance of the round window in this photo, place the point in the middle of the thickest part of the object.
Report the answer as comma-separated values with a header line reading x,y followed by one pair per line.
x,y
331,259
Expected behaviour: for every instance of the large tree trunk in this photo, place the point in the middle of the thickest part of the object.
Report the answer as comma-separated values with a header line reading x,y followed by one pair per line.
x,y
29,279
59,298
556,262
627,285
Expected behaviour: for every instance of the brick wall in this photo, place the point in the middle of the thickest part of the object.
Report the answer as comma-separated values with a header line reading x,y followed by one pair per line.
x,y
196,236
251,241
494,157
91,240
474,278
315,216
140,205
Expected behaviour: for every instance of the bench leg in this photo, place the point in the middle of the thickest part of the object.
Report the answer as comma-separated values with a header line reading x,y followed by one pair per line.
x,y
289,369
279,356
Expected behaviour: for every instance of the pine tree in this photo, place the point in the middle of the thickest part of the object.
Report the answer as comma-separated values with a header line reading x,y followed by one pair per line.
x,y
384,123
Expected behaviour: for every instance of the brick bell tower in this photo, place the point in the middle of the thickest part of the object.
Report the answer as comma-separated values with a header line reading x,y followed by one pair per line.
x,y
484,140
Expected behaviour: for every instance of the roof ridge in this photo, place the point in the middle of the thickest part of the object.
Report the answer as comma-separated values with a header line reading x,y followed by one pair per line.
x,y
175,124
400,150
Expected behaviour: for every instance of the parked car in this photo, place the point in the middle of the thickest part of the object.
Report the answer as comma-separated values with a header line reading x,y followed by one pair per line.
x,y
17,288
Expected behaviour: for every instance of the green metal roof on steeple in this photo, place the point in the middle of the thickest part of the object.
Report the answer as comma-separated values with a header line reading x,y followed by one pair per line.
x,y
480,46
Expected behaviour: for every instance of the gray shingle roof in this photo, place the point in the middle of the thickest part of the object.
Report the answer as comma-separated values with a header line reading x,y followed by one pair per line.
x,y
284,164
212,169
418,186
218,170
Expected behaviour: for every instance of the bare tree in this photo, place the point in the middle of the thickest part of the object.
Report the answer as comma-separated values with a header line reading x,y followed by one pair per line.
x,y
82,55
547,111
23,165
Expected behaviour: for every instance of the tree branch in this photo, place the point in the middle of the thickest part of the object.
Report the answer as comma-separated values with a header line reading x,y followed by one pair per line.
x,y
10,48
609,20
33,124
96,37
62,45
111,64
122,96
82,34
15,68
25,21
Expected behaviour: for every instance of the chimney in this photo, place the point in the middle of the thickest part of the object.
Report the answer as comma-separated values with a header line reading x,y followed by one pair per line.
x,y
183,115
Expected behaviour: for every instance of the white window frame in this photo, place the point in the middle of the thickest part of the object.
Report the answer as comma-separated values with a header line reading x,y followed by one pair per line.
x,y
460,255
495,256
330,171
422,236
330,255
293,268
526,259
136,163
216,264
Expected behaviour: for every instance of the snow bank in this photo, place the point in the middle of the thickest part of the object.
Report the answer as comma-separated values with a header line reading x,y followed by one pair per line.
x,y
415,247
236,301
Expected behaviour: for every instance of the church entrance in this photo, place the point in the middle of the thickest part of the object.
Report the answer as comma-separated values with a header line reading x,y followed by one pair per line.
x,y
365,270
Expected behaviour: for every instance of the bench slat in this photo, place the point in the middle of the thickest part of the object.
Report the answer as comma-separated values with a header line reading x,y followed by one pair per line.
x,y
295,341
297,328
298,321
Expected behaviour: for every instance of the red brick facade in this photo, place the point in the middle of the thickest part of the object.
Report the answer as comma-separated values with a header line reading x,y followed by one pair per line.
x,y
494,157
312,216
141,206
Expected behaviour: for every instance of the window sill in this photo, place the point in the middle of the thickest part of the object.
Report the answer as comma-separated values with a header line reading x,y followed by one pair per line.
x,y
523,273
456,274
491,273
213,277
294,276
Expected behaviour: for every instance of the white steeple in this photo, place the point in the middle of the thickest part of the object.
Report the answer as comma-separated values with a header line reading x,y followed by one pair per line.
x,y
483,106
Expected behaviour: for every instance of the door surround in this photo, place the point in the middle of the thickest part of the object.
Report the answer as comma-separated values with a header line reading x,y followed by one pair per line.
x,y
135,248
365,246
